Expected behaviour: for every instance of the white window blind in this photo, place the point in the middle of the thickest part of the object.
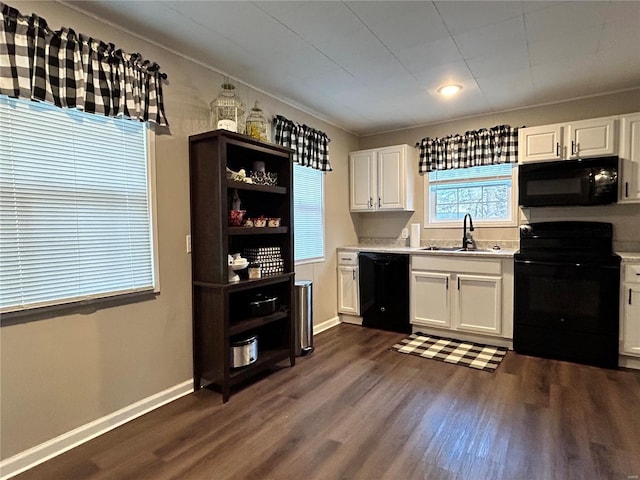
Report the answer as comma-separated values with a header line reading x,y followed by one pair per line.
x,y
75,209
308,203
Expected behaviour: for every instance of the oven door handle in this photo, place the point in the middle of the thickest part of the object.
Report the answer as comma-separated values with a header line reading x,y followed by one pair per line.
x,y
563,264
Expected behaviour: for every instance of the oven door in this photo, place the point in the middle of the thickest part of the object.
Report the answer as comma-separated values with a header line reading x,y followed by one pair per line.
x,y
567,310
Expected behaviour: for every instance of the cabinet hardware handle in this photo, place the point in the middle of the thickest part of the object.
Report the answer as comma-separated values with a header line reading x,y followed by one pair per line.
x,y
370,202
379,203
458,283
557,149
629,296
446,283
626,189
574,147
353,274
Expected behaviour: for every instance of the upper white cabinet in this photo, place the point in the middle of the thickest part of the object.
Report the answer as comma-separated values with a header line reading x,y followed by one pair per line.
x,y
538,144
382,179
629,180
563,141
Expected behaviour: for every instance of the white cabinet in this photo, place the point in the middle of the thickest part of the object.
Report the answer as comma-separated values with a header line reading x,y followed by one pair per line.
x,y
537,144
430,304
461,294
382,179
629,175
348,293
580,139
479,303
348,286
630,309
363,178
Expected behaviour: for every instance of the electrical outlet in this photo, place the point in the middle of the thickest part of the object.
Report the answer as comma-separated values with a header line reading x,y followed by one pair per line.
x,y
188,243
405,233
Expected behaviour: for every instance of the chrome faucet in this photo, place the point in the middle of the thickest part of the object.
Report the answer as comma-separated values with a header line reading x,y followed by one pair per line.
x,y
468,243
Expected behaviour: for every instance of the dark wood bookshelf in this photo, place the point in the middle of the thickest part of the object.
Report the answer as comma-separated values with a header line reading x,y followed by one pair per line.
x,y
218,316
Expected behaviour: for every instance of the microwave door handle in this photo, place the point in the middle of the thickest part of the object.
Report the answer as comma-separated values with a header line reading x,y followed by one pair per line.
x,y
592,183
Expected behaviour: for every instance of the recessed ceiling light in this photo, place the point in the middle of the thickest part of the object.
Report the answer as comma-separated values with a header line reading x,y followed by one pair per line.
x,y
448,90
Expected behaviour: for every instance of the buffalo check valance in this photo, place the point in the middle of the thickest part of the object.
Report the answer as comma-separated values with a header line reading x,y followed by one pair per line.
x,y
310,146
76,71
488,146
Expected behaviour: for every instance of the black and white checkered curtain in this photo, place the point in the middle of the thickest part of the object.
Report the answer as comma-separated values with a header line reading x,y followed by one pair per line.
x,y
487,146
75,71
310,146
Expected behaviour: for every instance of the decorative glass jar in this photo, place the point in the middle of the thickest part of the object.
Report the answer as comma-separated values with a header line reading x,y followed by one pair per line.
x,y
257,124
227,110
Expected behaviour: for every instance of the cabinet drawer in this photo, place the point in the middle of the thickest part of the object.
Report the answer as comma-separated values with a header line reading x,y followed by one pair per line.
x,y
347,258
632,273
458,265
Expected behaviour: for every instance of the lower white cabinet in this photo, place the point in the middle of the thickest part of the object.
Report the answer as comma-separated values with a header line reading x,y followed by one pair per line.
x,y
348,291
463,294
348,283
430,299
479,303
630,309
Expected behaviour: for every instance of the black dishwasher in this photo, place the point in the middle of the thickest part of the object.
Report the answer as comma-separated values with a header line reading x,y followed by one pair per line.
x,y
384,291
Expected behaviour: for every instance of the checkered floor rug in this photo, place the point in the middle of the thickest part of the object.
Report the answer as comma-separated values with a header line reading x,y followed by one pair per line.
x,y
474,355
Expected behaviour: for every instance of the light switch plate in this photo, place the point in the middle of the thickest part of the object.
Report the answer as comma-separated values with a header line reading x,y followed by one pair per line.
x,y
405,233
188,240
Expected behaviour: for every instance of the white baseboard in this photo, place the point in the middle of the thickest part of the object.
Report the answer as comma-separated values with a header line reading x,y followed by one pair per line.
x,y
326,325
629,362
352,319
40,453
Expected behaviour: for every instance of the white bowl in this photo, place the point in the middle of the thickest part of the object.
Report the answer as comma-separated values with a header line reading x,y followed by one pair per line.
x,y
240,266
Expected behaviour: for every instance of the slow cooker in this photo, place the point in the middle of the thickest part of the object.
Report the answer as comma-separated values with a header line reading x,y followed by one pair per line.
x,y
244,352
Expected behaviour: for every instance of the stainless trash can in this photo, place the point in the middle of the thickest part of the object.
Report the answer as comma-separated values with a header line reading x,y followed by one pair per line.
x,y
303,318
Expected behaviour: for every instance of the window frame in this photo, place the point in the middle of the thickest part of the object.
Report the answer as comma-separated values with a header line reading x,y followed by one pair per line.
x,y
110,297
322,258
512,222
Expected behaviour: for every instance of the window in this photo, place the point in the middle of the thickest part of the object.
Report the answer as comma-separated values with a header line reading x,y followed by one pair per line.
x,y
486,192
308,204
75,206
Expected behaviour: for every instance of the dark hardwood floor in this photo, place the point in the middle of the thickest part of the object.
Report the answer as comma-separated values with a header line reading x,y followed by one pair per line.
x,y
356,410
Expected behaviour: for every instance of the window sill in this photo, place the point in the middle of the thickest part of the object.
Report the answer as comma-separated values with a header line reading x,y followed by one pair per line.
x,y
82,307
477,224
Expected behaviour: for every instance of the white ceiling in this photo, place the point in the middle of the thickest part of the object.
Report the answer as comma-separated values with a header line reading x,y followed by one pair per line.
x,y
375,66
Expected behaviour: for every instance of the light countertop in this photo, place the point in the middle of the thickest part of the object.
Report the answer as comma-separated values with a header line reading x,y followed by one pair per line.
x,y
484,253
629,256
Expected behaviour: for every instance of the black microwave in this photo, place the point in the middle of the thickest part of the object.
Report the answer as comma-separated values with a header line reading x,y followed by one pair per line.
x,y
588,181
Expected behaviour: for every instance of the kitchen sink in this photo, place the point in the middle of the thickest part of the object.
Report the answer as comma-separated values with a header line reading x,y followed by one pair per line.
x,y
459,249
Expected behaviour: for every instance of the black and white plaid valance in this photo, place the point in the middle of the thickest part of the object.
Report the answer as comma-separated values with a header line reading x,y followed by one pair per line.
x,y
75,71
487,146
311,147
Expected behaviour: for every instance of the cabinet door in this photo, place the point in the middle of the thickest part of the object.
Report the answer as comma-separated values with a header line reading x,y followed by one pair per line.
x,y
630,159
536,144
362,180
348,293
631,319
430,304
479,304
590,138
391,178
